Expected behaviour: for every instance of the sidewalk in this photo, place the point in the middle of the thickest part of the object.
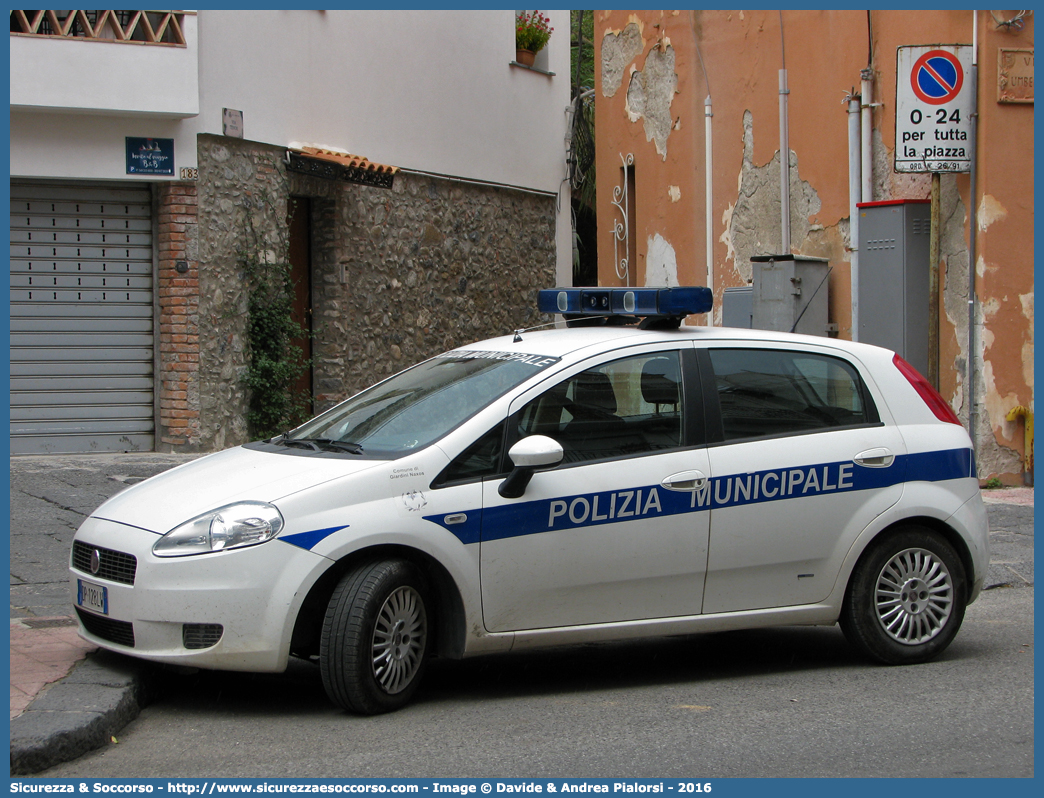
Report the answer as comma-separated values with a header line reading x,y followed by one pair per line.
x,y
43,650
68,698
84,702
1020,496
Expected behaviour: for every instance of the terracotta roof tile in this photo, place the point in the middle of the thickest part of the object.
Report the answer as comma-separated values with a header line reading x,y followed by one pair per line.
x,y
346,159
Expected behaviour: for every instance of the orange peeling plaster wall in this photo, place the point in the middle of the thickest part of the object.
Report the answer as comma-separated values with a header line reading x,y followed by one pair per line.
x,y
644,110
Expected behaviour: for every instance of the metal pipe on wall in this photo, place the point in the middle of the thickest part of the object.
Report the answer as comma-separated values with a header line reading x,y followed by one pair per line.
x,y
784,146
784,165
867,116
708,180
933,284
854,184
973,413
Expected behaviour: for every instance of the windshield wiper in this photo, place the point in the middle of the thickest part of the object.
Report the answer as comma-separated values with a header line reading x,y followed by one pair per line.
x,y
303,443
344,446
319,444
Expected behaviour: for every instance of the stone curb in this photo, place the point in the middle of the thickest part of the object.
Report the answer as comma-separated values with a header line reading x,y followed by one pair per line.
x,y
82,712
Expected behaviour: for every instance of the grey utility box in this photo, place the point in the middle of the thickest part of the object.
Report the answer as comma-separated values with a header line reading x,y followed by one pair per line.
x,y
894,247
737,307
790,293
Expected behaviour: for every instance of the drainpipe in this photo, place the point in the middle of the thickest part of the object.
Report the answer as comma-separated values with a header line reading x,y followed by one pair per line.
x,y
708,166
973,413
854,182
867,114
784,146
933,283
708,180
784,165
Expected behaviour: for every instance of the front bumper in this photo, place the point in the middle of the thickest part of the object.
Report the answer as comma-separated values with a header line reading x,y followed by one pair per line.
x,y
253,594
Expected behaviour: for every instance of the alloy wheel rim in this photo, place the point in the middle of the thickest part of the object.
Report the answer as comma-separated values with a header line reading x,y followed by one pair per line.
x,y
399,640
914,596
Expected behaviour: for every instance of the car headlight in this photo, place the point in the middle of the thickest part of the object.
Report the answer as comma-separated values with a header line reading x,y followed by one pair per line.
x,y
231,527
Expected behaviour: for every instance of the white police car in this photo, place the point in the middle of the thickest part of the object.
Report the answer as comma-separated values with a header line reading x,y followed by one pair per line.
x,y
555,487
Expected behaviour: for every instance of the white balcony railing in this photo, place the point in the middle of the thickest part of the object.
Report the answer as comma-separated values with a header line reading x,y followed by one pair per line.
x,y
138,27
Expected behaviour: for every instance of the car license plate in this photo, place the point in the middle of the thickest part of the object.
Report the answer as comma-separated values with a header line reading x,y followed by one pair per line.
x,y
92,597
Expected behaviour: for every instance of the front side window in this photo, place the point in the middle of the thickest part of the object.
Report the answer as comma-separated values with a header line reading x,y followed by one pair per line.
x,y
625,407
764,392
480,460
420,405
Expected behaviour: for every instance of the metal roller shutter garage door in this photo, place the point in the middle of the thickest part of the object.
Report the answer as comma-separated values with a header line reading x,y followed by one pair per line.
x,y
81,319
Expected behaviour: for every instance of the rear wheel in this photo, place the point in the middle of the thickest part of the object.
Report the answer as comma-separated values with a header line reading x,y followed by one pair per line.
x,y
905,601
375,637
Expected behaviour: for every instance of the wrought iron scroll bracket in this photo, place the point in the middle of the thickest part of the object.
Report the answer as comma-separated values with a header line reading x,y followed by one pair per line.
x,y
622,227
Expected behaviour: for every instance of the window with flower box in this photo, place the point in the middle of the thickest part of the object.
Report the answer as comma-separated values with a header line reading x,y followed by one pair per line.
x,y
533,31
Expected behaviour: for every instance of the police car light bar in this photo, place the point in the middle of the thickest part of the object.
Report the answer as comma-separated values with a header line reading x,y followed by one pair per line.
x,y
645,302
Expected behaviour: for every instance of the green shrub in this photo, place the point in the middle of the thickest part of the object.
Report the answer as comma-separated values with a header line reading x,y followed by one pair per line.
x,y
274,362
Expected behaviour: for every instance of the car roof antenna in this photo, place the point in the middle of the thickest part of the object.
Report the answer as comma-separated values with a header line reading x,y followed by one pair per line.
x,y
518,333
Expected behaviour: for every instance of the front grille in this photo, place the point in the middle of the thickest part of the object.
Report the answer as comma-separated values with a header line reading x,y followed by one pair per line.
x,y
119,632
201,635
116,566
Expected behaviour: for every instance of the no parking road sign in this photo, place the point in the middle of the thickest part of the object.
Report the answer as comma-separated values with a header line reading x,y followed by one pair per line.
x,y
934,103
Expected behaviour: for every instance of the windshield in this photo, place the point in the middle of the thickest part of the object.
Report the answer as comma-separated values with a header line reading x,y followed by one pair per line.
x,y
423,403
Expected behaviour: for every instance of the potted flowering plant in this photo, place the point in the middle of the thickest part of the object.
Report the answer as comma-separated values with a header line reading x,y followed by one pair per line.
x,y
531,34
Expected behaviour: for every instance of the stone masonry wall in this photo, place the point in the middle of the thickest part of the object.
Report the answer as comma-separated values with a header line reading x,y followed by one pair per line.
x,y
242,213
424,267
397,274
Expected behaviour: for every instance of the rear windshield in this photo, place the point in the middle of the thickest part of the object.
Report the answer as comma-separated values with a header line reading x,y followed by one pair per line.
x,y
420,405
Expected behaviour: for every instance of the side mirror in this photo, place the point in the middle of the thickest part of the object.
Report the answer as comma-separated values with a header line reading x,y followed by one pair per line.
x,y
527,455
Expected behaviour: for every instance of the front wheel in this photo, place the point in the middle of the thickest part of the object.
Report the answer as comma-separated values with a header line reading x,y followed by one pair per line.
x,y
906,598
375,637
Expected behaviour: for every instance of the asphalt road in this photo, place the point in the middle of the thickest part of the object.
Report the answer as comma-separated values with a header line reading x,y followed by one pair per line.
x,y
50,497
777,703
794,702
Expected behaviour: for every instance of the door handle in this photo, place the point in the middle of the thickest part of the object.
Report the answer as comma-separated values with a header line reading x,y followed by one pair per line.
x,y
874,458
686,480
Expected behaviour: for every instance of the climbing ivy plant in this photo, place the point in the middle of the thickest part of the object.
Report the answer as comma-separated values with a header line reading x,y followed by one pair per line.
x,y
274,361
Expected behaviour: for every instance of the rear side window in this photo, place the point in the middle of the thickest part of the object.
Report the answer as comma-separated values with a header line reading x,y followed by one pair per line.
x,y
766,392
